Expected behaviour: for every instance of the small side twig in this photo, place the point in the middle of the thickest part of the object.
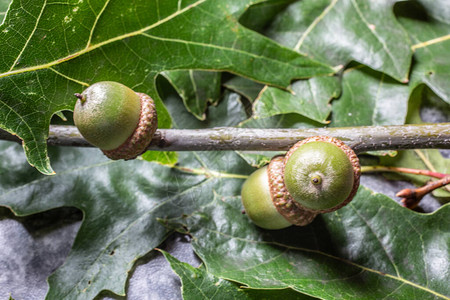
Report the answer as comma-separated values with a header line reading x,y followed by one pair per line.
x,y
412,197
367,169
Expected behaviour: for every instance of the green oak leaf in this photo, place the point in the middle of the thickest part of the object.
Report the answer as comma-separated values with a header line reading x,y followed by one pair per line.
x,y
196,88
63,47
198,284
339,31
309,97
245,87
122,201
371,249
370,98
318,29
431,39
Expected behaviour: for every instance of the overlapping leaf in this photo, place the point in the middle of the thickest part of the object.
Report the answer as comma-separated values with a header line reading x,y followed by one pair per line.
x,y
370,98
196,88
339,31
430,32
247,88
319,29
198,284
121,203
51,50
309,98
371,249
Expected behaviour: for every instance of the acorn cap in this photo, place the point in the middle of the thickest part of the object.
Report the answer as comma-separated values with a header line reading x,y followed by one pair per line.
x,y
137,143
281,198
321,174
257,201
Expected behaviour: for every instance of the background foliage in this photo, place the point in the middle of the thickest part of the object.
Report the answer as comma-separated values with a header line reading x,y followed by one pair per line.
x,y
248,63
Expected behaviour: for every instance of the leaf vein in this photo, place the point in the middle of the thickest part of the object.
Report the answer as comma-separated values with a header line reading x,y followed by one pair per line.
x,y
30,36
394,277
383,44
91,33
101,44
378,239
131,225
314,24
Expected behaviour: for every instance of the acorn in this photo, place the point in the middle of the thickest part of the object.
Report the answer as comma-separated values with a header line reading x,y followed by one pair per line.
x,y
318,175
116,119
321,174
267,202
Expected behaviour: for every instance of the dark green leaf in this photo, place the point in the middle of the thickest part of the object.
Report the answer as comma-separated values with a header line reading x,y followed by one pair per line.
x,y
61,49
339,31
198,284
247,88
431,39
196,88
370,98
371,249
309,98
260,15
121,201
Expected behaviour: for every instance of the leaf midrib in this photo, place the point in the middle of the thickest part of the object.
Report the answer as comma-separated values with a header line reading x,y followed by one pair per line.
x,y
397,278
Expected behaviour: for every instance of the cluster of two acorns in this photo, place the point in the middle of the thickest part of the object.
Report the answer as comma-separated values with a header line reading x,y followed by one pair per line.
x,y
317,175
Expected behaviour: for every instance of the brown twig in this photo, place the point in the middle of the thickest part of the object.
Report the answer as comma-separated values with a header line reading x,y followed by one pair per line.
x,y
412,197
361,139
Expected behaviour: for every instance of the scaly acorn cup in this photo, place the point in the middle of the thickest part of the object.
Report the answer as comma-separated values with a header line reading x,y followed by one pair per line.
x,y
116,119
321,174
266,201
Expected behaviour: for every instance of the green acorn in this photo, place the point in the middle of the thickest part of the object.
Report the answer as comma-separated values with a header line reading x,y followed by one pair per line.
x,y
318,175
116,119
321,174
267,202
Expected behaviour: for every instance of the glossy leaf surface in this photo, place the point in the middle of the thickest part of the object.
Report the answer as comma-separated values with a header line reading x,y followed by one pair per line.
x,y
199,284
62,48
350,253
